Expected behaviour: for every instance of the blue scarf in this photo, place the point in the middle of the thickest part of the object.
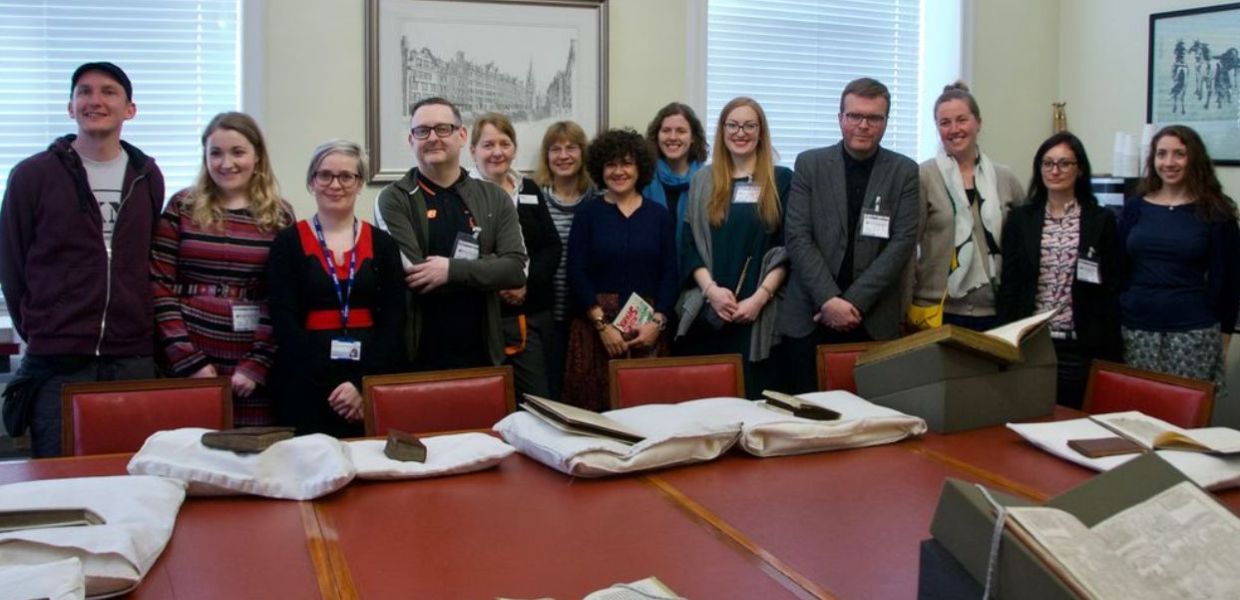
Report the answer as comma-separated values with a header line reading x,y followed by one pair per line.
x,y
680,183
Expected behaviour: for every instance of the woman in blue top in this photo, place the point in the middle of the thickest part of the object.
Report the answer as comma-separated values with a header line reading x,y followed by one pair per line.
x,y
732,250
620,244
678,138
1182,262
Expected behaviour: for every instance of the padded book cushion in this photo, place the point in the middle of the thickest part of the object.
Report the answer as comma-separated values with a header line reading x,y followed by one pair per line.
x,y
1114,392
839,368
774,433
669,385
108,422
138,513
302,468
59,580
423,406
445,455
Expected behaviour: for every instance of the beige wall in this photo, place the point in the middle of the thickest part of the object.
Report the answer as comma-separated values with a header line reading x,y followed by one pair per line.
x,y
315,77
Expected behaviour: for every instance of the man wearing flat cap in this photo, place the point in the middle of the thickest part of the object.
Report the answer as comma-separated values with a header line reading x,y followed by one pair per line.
x,y
75,243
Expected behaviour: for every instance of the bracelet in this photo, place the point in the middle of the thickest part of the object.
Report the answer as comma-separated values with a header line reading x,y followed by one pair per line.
x,y
710,286
599,323
769,293
661,321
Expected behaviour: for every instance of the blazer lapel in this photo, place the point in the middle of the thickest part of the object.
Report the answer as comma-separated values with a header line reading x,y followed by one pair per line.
x,y
838,192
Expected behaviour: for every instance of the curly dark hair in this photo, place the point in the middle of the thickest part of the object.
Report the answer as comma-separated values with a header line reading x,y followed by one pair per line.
x,y
619,144
697,147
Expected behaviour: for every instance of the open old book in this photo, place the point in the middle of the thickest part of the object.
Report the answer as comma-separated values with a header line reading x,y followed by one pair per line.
x,y
1001,343
578,420
1153,434
1180,543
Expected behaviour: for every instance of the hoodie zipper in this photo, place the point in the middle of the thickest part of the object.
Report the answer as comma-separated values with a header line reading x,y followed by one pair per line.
x,y
107,294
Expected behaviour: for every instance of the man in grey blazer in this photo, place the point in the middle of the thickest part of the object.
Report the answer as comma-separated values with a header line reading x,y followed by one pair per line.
x,y
851,227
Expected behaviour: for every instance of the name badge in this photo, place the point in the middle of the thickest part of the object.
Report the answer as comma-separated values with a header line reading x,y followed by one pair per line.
x,y
346,349
875,225
746,193
244,318
527,199
1088,271
465,247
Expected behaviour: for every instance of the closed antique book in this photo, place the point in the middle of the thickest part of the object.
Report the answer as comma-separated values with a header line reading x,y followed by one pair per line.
x,y
246,440
16,520
1107,446
404,447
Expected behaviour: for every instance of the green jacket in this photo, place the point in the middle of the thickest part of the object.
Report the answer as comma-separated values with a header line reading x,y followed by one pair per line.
x,y
400,210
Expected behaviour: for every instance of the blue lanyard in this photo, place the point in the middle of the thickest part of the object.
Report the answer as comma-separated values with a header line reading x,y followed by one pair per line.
x,y
342,292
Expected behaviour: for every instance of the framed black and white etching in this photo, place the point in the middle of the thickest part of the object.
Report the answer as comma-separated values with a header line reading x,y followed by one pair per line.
x,y
1194,75
536,61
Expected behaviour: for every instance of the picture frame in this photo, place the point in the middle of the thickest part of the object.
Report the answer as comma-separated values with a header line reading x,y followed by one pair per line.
x,y
1194,76
536,61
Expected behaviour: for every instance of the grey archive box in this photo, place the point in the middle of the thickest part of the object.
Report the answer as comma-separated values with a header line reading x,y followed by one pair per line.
x,y
956,390
964,523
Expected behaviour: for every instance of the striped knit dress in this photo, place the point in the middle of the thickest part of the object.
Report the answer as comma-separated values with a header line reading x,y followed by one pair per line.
x,y
198,276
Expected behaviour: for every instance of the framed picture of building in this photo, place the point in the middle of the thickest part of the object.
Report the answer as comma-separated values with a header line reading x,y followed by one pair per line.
x,y
1194,75
536,61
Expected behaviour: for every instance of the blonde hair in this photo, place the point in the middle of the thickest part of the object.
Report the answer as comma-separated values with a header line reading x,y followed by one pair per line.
x,y
562,131
763,171
205,196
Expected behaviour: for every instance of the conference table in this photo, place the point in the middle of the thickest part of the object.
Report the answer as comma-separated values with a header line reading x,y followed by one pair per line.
x,y
842,524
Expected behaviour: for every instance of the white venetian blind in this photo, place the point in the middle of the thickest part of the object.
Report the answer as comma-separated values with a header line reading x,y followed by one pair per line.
x,y
795,57
181,55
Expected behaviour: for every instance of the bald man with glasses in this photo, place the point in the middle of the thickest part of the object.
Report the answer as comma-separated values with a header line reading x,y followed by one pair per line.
x,y
460,242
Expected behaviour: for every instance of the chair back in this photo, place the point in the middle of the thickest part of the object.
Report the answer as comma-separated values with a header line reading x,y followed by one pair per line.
x,y
450,400
107,417
1177,400
637,381
836,363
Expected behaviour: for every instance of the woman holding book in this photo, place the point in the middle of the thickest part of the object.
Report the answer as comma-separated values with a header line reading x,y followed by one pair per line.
x,y
732,249
562,176
337,301
525,312
1060,252
208,260
1181,245
621,246
967,198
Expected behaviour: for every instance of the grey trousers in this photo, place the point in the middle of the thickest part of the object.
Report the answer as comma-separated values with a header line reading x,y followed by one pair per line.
x,y
529,367
45,418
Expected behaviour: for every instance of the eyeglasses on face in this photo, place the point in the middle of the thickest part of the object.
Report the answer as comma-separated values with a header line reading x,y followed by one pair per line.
x,y
872,120
442,130
1062,164
325,178
733,127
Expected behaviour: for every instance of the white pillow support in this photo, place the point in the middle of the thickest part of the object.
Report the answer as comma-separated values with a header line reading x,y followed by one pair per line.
x,y
60,580
139,514
302,468
1208,471
445,455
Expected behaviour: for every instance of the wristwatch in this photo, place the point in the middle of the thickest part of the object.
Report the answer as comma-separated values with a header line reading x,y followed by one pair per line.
x,y
599,323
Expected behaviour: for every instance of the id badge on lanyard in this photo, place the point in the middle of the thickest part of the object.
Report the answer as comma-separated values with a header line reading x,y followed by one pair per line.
x,y
874,222
244,318
1087,268
746,193
343,347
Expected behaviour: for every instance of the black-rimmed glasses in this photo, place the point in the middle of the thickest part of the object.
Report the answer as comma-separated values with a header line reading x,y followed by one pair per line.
x,y
346,179
441,130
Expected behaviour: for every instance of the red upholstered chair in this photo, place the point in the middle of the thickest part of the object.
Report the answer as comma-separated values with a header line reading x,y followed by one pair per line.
x,y
1177,400
836,362
637,381
117,416
437,400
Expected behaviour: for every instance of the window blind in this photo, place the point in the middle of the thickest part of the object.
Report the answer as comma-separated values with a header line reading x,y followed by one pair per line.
x,y
795,57
181,55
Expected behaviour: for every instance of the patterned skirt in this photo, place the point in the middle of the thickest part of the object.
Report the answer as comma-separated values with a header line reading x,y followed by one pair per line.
x,y
1196,354
585,369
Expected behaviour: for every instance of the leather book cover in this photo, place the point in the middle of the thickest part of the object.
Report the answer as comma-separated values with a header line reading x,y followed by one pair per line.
x,y
246,440
1107,446
404,447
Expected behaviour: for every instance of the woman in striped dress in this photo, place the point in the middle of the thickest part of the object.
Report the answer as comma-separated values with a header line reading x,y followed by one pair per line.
x,y
208,267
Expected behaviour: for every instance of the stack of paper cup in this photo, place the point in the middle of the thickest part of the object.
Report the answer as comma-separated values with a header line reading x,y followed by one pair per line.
x,y
1124,158
1147,134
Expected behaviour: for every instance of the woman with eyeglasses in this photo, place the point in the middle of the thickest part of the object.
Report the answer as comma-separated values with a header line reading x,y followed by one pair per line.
x,y
967,197
337,301
1060,252
561,174
621,245
1181,288
525,312
732,250
680,143
208,260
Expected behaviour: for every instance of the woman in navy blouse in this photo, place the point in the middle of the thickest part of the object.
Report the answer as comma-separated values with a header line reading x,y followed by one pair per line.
x,y
1182,262
620,244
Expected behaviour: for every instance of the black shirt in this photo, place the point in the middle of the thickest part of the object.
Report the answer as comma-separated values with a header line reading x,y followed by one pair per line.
x,y
856,179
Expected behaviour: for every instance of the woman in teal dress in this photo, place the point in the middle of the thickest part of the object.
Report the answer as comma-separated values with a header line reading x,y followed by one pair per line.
x,y
732,252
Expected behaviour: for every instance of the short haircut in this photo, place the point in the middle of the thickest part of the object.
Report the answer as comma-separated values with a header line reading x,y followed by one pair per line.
x,y
496,120
697,148
618,144
562,131
958,91
433,100
331,147
866,88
